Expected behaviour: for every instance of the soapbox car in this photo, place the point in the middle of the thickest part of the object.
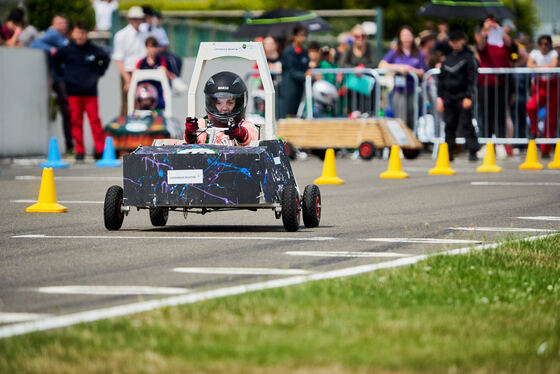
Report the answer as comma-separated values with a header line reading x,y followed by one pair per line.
x,y
201,178
143,126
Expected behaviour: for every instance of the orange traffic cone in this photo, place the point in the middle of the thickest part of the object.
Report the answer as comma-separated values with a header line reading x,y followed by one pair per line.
x,y
329,170
394,171
532,159
442,163
555,164
47,196
489,163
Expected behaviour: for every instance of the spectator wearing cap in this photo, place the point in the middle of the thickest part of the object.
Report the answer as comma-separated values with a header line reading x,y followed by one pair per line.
x,y
128,49
455,88
54,38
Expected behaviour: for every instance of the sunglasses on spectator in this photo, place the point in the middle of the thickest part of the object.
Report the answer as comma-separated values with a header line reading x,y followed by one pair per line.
x,y
545,43
360,36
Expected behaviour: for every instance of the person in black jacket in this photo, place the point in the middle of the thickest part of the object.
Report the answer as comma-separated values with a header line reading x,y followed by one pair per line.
x,y
81,64
295,65
455,90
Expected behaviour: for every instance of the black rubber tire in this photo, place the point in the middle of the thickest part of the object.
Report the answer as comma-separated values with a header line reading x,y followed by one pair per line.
x,y
290,150
311,210
290,208
112,213
159,215
410,153
366,150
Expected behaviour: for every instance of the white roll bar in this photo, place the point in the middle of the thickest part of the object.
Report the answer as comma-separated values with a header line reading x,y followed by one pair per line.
x,y
252,51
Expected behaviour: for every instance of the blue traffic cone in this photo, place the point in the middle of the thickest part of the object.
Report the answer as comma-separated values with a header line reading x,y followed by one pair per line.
x,y
53,159
109,158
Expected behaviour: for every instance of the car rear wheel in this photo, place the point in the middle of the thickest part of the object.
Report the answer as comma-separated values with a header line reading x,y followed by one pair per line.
x,y
311,210
159,215
290,208
366,150
113,214
410,153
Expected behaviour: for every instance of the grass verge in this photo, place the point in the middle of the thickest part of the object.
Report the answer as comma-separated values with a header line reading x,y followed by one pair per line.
x,y
494,311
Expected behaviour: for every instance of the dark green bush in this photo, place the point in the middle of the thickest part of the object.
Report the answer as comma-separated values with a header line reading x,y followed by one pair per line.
x,y
41,12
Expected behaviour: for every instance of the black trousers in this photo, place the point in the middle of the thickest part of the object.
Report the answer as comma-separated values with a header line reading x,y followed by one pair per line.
x,y
455,118
62,99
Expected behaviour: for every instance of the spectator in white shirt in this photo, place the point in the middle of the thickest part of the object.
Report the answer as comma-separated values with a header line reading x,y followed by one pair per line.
x,y
129,48
104,13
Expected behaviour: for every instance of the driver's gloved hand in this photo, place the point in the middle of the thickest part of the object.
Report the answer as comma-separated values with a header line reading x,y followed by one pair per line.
x,y
191,126
237,132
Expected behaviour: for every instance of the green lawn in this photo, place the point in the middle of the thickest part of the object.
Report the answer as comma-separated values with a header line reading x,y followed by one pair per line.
x,y
494,311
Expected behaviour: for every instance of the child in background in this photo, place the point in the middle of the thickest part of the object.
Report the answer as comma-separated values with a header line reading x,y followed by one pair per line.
x,y
153,61
81,64
456,91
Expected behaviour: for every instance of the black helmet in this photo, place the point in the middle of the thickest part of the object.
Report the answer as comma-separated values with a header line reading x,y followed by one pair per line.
x,y
226,85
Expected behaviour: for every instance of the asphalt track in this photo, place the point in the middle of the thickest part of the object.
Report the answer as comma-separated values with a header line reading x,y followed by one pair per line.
x,y
365,221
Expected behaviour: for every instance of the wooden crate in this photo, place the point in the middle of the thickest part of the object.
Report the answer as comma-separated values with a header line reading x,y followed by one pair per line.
x,y
330,133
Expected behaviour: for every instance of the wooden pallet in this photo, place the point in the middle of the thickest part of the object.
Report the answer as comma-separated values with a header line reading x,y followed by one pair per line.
x,y
330,133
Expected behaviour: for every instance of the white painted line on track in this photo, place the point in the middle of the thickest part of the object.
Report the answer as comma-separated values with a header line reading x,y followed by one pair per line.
x,y
422,240
41,236
145,306
60,201
20,317
112,290
345,254
515,183
68,178
500,229
541,218
242,271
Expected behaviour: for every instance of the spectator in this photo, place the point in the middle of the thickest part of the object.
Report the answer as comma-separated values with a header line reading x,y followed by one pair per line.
x,y
12,28
344,40
328,62
152,26
360,55
427,43
128,49
545,91
556,45
456,87
520,88
314,53
493,45
295,66
104,13
53,39
81,64
153,61
406,58
272,56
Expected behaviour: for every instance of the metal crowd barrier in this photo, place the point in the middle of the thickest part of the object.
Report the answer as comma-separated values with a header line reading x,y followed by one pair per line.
x,y
500,111
361,93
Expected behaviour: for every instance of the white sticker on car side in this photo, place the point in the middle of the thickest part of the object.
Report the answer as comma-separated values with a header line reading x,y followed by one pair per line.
x,y
191,176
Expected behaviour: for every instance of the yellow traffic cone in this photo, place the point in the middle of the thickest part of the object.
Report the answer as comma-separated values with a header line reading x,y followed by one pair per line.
x,y
394,170
47,196
489,163
532,160
329,170
442,163
555,164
